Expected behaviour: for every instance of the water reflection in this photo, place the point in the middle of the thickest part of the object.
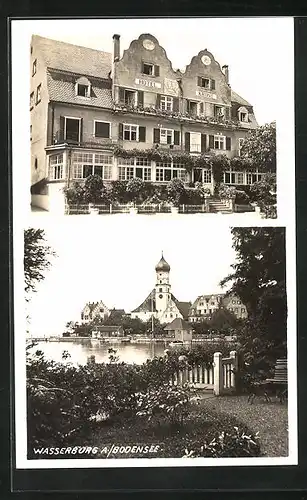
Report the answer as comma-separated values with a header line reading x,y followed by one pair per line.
x,y
80,350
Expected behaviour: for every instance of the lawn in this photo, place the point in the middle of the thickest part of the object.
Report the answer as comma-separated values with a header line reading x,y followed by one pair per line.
x,y
269,419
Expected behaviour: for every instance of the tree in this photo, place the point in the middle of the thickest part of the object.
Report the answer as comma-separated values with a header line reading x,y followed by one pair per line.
x,y
264,192
259,279
259,148
223,320
36,258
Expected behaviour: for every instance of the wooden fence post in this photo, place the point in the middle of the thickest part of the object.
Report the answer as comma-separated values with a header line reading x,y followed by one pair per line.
x,y
218,373
234,368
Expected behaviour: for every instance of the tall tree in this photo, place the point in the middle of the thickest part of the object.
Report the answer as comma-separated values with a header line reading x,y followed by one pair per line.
x,y
259,279
37,255
259,148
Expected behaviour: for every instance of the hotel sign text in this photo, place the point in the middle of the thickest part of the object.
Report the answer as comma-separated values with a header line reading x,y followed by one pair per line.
x,y
208,95
147,83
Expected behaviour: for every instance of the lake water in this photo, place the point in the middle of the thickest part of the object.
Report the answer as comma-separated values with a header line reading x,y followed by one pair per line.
x,y
81,349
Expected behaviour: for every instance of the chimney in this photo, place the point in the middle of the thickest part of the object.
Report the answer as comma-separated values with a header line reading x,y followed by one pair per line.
x,y
226,72
116,47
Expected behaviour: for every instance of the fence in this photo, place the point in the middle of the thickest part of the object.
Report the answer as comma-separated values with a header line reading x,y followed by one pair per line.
x,y
220,377
74,209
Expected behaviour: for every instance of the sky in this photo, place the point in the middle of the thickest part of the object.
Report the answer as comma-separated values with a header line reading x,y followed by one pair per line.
x,y
114,261
255,49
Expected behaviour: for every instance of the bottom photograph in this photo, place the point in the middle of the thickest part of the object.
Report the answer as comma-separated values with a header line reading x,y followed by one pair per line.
x,y
155,343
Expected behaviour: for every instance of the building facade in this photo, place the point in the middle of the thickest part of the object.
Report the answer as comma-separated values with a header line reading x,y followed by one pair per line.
x,y
89,108
205,305
161,303
94,310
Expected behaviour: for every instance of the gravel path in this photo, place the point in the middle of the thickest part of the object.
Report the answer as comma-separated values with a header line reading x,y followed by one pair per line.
x,y
269,419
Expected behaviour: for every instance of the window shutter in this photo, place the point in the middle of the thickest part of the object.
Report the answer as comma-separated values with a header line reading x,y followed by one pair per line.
x,y
227,113
187,141
102,129
228,143
176,137
157,70
212,84
203,142
158,101
187,105
140,98
211,141
120,130
62,126
175,104
201,108
156,135
121,94
81,130
142,134
199,79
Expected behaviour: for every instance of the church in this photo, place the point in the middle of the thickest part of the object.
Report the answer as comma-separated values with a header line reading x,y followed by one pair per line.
x,y
161,303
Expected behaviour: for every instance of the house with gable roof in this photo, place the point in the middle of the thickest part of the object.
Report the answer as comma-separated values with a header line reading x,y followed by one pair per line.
x,y
89,106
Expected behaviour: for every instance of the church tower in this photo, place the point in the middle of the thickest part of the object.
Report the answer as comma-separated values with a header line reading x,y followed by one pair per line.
x,y
163,287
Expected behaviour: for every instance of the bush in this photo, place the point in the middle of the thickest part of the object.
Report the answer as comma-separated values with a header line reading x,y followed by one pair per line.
x,y
175,191
242,197
75,193
232,443
94,190
135,188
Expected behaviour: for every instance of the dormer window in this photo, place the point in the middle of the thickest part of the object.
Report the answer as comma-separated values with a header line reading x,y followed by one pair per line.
x,y
219,111
243,115
83,87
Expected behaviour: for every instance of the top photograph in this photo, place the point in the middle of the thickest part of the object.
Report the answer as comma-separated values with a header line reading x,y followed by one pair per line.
x,y
126,131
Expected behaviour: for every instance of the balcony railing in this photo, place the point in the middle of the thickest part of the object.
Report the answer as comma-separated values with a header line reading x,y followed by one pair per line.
x,y
184,117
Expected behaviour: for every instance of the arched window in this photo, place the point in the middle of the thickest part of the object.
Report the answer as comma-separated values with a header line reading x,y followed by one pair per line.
x,y
83,87
243,114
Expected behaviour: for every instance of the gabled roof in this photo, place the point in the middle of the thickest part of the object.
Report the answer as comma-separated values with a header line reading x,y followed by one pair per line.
x,y
74,58
178,324
149,304
61,88
184,307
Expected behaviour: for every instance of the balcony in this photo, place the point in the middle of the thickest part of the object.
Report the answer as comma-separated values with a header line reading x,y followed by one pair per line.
x,y
91,142
219,120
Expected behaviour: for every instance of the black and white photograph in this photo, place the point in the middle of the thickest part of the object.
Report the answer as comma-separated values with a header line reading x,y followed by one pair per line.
x,y
134,122
154,243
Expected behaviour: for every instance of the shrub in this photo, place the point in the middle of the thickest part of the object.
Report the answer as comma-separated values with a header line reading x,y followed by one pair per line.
x,y
175,191
242,197
135,188
232,443
75,193
94,190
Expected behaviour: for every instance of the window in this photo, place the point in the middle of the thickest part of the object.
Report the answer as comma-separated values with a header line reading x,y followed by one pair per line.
x,y
219,142
38,94
56,167
130,97
160,290
219,111
102,129
138,167
241,140
36,164
130,132
166,103
83,90
148,69
195,142
166,171
206,176
34,67
30,132
243,117
85,164
31,100
72,129
206,83
166,136
192,108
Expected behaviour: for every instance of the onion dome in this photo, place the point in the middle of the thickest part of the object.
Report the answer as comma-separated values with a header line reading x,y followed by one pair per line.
x,y
163,266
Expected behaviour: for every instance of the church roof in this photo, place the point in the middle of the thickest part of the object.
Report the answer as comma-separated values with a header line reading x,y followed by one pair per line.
x,y
178,324
184,307
149,304
163,265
